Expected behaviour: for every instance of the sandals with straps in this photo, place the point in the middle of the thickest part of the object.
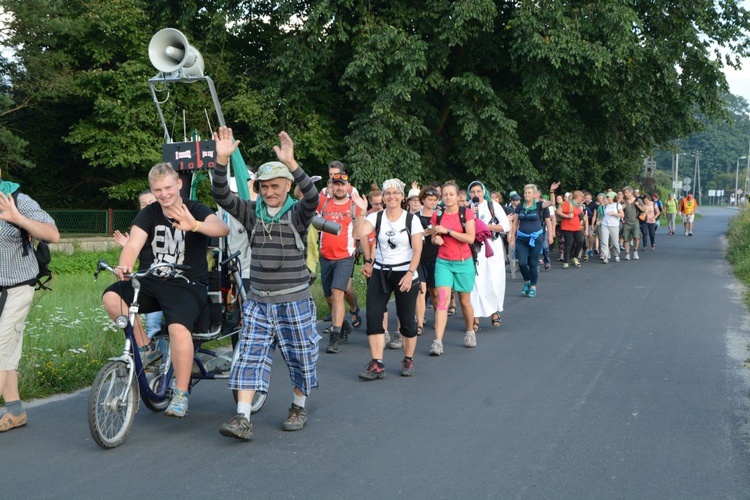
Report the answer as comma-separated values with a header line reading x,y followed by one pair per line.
x,y
495,318
356,318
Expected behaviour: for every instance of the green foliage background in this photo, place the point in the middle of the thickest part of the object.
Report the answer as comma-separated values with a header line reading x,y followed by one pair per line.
x,y
509,92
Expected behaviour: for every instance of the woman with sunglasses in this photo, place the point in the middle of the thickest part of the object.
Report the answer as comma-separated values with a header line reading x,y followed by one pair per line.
x,y
526,233
454,267
393,271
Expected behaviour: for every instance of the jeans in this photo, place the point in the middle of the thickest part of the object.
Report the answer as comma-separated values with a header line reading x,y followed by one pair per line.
x,y
649,230
528,259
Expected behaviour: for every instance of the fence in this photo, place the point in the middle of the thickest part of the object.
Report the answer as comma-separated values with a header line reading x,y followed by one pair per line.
x,y
94,222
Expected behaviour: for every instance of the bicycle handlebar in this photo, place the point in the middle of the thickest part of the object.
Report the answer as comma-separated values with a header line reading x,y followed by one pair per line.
x,y
174,270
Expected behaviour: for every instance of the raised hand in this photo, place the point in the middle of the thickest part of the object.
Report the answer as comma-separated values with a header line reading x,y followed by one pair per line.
x,y
8,210
359,200
285,151
225,144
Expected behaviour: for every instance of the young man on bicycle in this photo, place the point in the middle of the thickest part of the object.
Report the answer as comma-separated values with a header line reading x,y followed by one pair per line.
x,y
175,231
280,310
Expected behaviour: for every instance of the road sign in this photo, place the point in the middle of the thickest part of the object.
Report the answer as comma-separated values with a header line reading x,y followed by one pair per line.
x,y
677,185
711,193
687,180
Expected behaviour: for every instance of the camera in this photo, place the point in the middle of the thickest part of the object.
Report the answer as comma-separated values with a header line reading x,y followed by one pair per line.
x,y
326,226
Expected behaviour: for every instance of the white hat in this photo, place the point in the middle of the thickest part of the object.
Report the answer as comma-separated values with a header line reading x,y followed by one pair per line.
x,y
413,193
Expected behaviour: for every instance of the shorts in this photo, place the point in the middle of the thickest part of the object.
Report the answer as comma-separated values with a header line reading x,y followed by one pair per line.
x,y
426,271
291,327
688,218
456,274
335,274
12,324
181,302
631,232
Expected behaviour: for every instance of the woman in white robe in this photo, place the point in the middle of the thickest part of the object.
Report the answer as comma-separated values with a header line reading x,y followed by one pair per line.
x,y
488,295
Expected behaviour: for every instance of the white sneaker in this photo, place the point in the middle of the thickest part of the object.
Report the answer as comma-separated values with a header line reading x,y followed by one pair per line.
x,y
617,259
470,340
627,256
387,338
436,349
686,233
605,261
635,256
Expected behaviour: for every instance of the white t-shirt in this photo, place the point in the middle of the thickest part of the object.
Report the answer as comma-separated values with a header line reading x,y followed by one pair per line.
x,y
395,232
610,214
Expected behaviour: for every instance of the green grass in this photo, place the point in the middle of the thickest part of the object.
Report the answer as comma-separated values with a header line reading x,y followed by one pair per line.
x,y
68,335
738,253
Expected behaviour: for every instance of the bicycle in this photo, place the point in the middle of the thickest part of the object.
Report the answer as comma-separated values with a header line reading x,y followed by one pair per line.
x,y
113,400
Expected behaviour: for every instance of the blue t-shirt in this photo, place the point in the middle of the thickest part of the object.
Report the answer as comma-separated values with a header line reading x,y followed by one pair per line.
x,y
528,218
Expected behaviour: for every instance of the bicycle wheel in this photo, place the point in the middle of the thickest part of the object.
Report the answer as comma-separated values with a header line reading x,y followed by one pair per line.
x,y
112,405
160,382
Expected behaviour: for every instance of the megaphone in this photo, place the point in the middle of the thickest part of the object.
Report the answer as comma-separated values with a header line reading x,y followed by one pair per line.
x,y
169,51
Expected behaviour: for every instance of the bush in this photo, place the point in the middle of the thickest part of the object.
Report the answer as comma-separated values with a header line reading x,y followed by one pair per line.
x,y
738,253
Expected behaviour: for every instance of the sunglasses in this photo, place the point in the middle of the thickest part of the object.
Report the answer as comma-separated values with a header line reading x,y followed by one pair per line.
x,y
431,192
339,177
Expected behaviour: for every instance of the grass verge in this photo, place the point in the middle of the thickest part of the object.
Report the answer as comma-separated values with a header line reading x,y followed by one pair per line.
x,y
69,337
738,253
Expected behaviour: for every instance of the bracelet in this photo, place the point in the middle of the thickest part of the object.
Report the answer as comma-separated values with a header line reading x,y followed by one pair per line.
x,y
197,225
410,271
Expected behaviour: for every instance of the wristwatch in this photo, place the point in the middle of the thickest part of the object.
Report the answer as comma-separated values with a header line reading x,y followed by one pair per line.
x,y
368,261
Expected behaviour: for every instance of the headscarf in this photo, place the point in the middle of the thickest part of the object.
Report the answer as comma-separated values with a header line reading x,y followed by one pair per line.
x,y
484,189
394,183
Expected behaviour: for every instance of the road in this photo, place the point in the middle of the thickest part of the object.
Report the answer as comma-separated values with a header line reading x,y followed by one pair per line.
x,y
618,381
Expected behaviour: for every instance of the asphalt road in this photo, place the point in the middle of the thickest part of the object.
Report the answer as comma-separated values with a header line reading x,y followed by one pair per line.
x,y
618,381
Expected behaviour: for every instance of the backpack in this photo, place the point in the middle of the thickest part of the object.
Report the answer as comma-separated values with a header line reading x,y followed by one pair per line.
x,y
41,252
474,247
379,219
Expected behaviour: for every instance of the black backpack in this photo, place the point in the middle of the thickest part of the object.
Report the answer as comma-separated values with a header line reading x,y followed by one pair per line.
x,y
41,252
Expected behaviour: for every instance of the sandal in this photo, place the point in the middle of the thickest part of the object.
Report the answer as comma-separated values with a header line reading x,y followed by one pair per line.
x,y
451,310
477,328
328,330
356,318
495,320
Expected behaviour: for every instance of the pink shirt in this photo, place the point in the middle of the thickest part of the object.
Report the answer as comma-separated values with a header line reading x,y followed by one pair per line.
x,y
452,249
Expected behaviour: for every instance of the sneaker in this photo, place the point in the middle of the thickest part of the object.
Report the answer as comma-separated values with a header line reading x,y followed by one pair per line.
x,y
576,262
532,293
617,259
622,248
436,349
334,342
470,340
407,367
346,328
238,427
566,265
397,342
373,371
149,353
690,233
653,247
547,266
297,418
635,256
686,233
591,253
10,421
387,337
605,261
178,406
627,256
526,286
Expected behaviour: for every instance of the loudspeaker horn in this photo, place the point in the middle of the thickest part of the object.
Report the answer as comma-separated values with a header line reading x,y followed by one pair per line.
x,y
169,51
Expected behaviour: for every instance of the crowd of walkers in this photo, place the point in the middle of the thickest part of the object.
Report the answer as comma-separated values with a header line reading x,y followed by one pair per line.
x,y
443,245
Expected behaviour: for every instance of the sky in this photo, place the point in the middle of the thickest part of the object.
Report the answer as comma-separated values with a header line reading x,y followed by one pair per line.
x,y
739,81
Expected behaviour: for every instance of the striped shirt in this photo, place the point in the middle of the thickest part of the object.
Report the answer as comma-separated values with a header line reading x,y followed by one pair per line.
x,y
14,267
277,263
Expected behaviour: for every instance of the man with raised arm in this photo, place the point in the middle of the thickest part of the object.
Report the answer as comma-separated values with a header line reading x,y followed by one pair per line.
x,y
20,217
280,310
175,231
